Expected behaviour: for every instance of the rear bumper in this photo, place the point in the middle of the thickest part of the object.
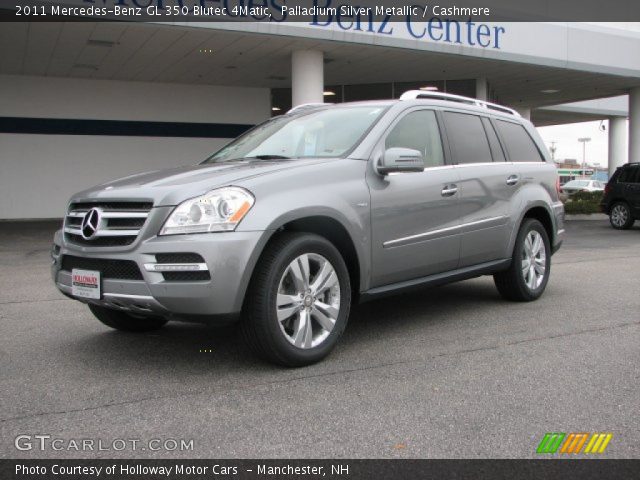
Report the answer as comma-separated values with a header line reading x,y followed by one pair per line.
x,y
556,247
229,257
559,234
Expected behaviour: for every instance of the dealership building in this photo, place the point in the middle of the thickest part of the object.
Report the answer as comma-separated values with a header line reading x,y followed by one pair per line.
x,y
85,102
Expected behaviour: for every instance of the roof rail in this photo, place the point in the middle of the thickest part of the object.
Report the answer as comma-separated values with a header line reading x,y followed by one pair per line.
x,y
306,106
417,94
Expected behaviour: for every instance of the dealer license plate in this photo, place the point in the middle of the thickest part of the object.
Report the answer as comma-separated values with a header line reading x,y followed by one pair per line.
x,y
85,283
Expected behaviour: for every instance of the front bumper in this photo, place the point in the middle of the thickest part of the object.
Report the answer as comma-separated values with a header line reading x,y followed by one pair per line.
x,y
229,257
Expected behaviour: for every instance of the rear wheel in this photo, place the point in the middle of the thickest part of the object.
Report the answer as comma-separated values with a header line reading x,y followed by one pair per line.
x,y
527,277
298,302
126,322
620,216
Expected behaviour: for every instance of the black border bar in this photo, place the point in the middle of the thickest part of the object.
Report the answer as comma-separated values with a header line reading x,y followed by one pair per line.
x,y
561,469
287,11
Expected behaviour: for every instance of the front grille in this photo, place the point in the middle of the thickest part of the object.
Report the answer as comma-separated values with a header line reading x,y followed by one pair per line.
x,y
113,206
116,223
113,269
73,221
125,223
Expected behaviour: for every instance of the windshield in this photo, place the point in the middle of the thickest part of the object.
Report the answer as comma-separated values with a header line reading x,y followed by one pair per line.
x,y
578,183
325,133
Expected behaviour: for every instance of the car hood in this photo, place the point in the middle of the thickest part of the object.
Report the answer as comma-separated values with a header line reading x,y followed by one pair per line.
x,y
172,186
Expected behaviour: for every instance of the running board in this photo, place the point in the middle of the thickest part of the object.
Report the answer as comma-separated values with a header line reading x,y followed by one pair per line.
x,y
437,279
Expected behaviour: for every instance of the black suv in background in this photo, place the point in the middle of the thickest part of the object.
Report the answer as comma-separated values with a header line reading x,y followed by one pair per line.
x,y
621,200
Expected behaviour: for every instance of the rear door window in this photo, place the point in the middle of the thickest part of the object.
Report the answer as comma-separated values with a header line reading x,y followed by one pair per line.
x,y
519,143
467,137
629,175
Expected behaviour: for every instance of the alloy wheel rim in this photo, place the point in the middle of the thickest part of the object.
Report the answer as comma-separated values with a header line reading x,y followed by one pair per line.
x,y
308,300
619,215
534,260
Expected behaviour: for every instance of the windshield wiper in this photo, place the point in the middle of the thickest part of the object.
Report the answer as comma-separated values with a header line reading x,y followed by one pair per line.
x,y
270,157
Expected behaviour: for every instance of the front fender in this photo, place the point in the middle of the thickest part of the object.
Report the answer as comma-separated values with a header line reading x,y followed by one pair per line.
x,y
335,190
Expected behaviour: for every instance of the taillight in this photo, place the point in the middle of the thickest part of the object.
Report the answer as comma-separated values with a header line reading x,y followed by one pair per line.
x,y
558,185
607,189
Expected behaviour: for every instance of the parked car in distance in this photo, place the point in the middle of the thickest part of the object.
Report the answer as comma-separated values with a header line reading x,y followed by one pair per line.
x,y
304,214
582,186
621,200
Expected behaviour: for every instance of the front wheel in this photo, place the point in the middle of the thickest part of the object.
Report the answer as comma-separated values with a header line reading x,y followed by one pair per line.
x,y
298,301
527,277
126,322
620,216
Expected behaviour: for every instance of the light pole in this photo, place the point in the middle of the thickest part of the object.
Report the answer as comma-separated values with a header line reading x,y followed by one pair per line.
x,y
553,149
584,141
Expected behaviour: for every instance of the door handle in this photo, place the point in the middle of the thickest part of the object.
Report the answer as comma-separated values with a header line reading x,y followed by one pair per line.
x,y
513,179
449,190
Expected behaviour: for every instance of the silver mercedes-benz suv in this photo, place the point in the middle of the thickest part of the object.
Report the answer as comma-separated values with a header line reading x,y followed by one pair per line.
x,y
290,223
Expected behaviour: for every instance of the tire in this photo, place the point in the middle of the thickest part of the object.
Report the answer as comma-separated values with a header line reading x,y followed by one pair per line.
x,y
284,327
520,284
126,322
620,216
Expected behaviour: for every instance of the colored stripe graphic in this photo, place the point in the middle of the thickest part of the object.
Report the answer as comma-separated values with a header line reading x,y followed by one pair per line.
x,y
568,443
550,443
581,443
598,443
573,442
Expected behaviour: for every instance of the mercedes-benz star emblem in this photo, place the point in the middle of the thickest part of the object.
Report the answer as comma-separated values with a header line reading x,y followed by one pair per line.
x,y
90,223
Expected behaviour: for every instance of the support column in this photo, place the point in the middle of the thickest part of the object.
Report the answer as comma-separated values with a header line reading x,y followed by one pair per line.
x,y
307,77
634,125
482,89
617,143
524,112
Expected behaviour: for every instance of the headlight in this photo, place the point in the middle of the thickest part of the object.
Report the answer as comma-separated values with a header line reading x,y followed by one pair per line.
x,y
217,211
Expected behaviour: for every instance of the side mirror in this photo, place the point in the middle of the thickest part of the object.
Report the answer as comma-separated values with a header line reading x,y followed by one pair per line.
x,y
400,160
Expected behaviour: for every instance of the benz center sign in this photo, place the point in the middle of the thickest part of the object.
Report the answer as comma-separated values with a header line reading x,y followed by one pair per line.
x,y
467,33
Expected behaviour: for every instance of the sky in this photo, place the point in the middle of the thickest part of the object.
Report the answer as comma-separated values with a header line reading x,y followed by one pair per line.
x,y
566,138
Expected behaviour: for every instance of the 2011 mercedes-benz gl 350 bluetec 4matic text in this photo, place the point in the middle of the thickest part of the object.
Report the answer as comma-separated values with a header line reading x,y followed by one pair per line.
x,y
288,225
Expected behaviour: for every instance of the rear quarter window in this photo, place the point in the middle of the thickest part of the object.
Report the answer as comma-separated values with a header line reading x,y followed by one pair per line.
x,y
629,175
518,142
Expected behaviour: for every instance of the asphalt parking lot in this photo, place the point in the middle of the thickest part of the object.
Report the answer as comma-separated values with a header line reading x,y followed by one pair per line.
x,y
449,372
